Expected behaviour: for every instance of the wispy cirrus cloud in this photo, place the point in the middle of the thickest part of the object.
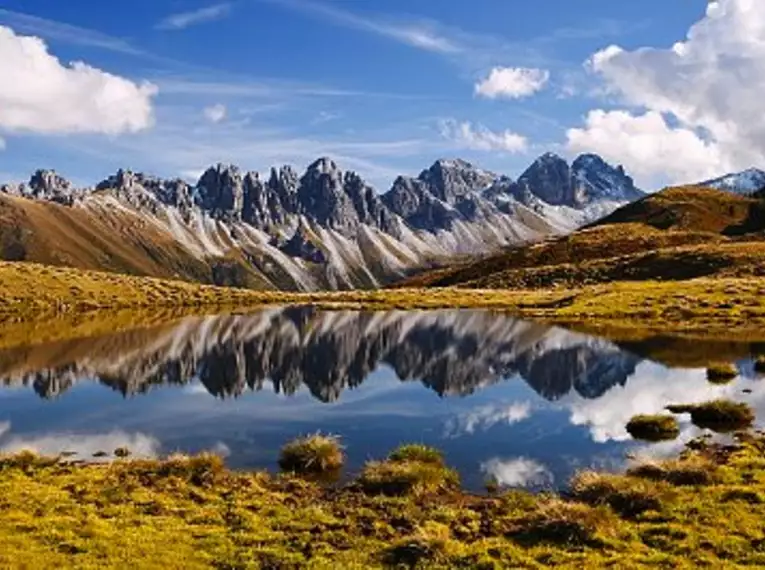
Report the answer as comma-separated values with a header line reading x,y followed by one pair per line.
x,y
422,34
183,20
61,31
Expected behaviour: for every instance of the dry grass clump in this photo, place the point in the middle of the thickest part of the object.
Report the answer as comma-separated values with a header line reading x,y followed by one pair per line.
x,y
653,427
563,523
417,452
682,472
399,478
312,454
722,416
628,496
721,372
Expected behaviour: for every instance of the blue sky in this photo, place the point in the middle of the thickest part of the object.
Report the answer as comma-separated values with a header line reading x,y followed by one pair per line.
x,y
384,87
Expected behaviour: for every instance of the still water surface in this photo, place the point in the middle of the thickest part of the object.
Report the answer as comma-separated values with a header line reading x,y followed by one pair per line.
x,y
519,401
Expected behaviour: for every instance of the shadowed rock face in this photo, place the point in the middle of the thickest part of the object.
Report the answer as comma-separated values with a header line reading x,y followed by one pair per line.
x,y
454,353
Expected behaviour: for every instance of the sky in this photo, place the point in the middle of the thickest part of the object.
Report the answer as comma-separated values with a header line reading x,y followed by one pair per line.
x,y
671,90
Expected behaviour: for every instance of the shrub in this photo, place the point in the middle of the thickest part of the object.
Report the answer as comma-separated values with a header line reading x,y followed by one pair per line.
x,y
653,427
312,454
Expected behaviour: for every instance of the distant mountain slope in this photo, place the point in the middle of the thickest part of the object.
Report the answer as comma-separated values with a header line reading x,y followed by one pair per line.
x,y
679,233
326,229
745,182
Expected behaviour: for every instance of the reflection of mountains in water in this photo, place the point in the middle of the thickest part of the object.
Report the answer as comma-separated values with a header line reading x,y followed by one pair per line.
x,y
452,352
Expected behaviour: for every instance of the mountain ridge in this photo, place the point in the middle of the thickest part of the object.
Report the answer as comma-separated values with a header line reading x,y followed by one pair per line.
x,y
328,228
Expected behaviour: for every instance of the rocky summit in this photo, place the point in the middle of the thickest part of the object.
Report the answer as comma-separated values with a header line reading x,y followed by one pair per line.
x,y
328,228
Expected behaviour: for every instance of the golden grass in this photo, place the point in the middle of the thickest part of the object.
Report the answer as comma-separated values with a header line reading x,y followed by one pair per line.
x,y
703,509
729,306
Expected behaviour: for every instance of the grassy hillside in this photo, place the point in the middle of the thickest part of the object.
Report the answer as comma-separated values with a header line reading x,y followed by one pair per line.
x,y
677,234
117,241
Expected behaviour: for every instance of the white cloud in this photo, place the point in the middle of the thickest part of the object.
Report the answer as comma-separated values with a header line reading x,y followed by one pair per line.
x,y
85,445
520,472
215,113
485,417
512,82
710,83
479,137
41,95
2,144
420,35
184,20
648,146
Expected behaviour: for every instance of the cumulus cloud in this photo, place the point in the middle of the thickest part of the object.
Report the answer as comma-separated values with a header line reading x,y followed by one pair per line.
x,y
649,146
520,472
41,95
479,137
215,113
709,86
185,20
485,417
512,82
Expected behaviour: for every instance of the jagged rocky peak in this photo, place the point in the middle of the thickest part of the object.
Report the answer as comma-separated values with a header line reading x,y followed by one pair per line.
x,y
322,196
49,185
144,191
449,180
594,179
549,178
220,191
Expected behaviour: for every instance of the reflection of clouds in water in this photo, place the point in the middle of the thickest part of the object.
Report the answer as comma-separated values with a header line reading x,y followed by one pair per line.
x,y
5,427
648,391
485,417
519,472
85,445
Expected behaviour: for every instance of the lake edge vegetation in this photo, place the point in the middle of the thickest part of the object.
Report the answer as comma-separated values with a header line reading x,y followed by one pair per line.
x,y
199,514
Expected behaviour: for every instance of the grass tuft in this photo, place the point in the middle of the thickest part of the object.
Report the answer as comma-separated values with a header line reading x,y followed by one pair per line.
x,y
628,496
685,472
562,523
399,478
417,452
312,455
723,416
653,427
721,372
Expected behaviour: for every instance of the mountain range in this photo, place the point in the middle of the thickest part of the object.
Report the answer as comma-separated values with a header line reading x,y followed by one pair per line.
x,y
324,229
